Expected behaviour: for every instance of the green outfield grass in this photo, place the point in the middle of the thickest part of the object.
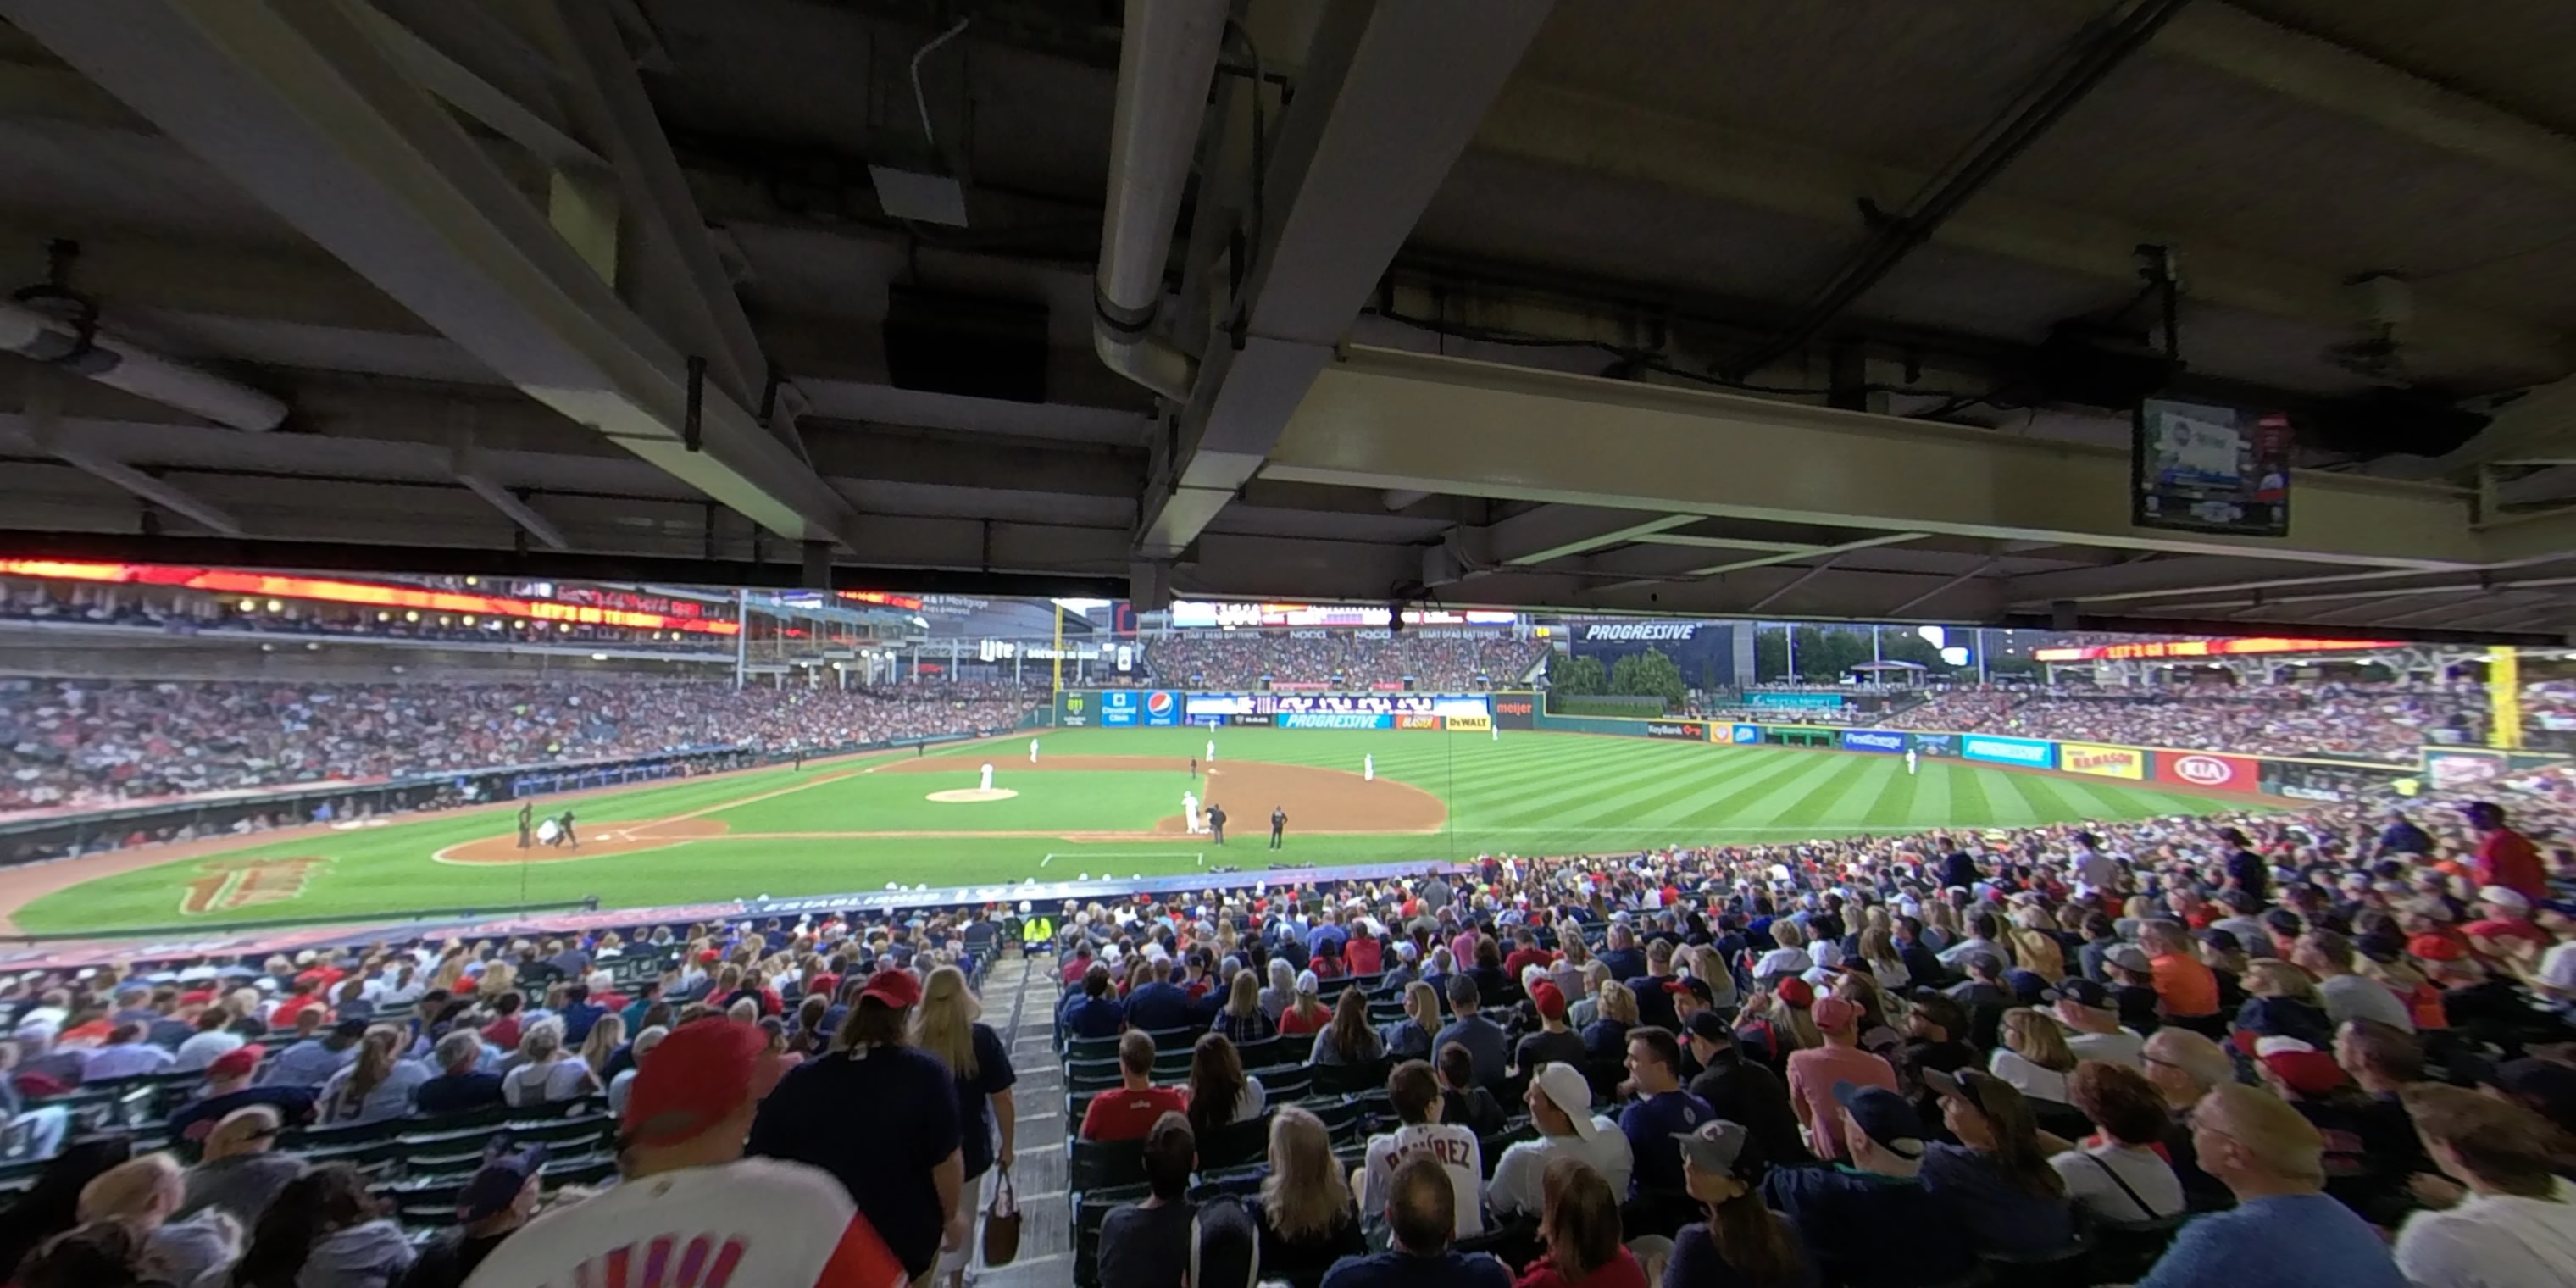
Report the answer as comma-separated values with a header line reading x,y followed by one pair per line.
x,y
1524,793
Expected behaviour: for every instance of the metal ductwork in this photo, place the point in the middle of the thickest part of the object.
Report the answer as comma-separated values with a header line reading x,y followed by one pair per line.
x,y
1166,63
71,345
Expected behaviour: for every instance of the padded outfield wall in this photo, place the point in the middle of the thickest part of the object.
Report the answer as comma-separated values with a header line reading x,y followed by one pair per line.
x,y
2284,777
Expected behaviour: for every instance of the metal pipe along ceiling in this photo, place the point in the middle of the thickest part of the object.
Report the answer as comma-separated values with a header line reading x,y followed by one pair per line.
x,y
1166,63
121,364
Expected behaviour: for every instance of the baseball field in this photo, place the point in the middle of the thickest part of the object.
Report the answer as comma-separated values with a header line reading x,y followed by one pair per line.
x,y
1096,802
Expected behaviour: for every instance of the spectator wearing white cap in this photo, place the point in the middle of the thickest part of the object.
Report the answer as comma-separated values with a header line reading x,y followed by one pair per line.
x,y
1306,1013
1560,1109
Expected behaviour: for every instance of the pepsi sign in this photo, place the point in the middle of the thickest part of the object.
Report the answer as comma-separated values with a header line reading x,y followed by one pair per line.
x,y
1118,708
1162,709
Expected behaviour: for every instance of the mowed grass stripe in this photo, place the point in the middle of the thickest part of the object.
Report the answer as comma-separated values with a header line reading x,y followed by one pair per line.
x,y
1531,794
2013,807
1823,797
1968,803
1788,776
2044,795
1570,788
1894,804
1660,789
1932,792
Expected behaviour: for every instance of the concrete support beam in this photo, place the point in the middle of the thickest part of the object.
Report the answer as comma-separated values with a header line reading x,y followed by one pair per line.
x,y
1386,420
1556,531
299,105
47,432
465,463
2323,74
1580,132
1389,97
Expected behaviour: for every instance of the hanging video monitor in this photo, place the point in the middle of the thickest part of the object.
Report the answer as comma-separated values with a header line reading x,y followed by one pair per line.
x,y
2200,468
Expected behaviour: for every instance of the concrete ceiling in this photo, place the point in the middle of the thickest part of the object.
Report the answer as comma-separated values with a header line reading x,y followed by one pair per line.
x,y
1467,302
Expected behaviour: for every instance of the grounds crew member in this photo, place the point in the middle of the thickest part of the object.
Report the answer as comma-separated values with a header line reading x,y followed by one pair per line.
x,y
1278,824
1216,822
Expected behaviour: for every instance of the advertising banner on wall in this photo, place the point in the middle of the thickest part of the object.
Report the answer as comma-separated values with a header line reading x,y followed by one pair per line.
x,y
1516,710
2029,753
1251,720
1119,708
1936,744
1796,701
2453,769
1679,730
1470,724
2100,761
1200,706
1074,710
1411,720
2208,769
1745,733
1335,720
1162,709
1885,742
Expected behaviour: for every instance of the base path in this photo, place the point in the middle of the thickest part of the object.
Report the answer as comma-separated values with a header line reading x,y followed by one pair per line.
x,y
1318,801
596,842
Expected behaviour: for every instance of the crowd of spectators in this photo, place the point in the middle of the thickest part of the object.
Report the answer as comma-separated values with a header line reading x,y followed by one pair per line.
x,y
1446,662
2253,1050
304,618
724,1036
97,742
2246,1051
2376,722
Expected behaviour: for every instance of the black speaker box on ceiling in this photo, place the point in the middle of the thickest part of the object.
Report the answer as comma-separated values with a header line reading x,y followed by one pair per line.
x,y
942,342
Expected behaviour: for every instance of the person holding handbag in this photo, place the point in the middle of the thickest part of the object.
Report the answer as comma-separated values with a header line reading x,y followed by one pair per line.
x,y
946,1026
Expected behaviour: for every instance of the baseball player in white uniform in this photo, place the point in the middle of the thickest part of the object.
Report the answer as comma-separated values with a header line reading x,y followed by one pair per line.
x,y
1191,822
1368,768
988,776
1033,751
1910,759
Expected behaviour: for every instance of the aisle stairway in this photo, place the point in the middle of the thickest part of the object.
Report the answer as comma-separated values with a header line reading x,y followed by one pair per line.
x,y
1019,996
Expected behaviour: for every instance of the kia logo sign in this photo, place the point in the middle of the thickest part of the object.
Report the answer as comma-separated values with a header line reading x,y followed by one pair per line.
x,y
2208,771
1159,703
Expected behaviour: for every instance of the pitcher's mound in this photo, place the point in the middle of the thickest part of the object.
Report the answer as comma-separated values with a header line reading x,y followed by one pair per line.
x,y
969,795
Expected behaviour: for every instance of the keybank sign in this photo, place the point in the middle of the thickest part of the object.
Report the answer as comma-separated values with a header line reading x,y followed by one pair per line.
x,y
1641,630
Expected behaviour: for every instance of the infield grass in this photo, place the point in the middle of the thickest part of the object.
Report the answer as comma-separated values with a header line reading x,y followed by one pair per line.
x,y
1525,793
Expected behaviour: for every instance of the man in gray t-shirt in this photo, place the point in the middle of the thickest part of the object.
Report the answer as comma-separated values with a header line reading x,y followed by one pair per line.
x,y
241,1174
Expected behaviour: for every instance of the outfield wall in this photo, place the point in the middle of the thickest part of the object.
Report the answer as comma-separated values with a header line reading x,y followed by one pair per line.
x,y
2285,777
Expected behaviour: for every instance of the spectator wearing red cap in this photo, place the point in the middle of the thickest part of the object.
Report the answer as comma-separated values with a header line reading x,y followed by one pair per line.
x,y
228,1087
1814,1073
687,1184
881,1115
1552,1042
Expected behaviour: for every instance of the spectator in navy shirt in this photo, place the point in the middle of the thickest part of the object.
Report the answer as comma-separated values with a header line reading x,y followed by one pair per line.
x,y
2284,1231
881,1115
1093,1013
460,1085
311,1062
1621,956
1663,1110
1421,1220
1156,1003
2402,836
1913,1236
578,1014
228,1088
1484,1040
